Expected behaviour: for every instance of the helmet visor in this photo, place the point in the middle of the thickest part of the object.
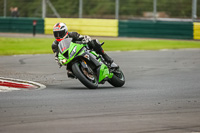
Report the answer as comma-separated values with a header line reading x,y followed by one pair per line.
x,y
59,34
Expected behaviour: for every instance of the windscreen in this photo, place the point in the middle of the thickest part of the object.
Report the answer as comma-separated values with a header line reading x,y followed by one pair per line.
x,y
64,44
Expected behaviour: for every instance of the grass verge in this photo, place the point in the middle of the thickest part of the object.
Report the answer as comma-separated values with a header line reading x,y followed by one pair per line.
x,y
13,46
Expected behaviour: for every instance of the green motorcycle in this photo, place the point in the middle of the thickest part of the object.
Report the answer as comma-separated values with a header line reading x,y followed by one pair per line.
x,y
88,66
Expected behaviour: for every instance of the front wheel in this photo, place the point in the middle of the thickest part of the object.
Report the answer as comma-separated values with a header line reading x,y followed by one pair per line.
x,y
86,78
118,79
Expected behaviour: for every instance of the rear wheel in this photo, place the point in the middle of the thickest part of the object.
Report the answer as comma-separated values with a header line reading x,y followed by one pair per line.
x,y
85,77
118,79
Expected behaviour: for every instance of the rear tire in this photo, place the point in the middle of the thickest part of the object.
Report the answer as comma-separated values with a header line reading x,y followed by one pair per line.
x,y
91,84
118,79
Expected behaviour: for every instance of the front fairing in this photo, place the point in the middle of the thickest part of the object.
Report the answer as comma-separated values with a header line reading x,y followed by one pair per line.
x,y
68,50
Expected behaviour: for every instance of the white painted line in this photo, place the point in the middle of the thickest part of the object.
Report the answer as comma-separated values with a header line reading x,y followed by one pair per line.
x,y
7,89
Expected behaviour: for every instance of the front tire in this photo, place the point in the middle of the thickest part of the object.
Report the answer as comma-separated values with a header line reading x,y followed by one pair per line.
x,y
118,79
88,82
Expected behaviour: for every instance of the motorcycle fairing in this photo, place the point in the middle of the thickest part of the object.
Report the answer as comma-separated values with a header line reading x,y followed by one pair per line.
x,y
103,73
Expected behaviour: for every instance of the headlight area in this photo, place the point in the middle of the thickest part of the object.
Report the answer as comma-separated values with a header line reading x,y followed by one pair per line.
x,y
63,61
73,52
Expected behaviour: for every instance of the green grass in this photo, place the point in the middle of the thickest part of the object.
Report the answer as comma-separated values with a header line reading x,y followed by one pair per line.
x,y
150,44
11,46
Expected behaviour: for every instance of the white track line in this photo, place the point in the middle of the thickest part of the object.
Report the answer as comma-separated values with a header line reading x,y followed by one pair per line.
x,y
25,82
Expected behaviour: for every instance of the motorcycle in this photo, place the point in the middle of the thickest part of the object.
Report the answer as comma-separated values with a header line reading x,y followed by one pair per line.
x,y
89,67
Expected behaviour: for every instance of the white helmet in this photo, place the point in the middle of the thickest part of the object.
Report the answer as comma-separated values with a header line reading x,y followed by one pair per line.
x,y
60,31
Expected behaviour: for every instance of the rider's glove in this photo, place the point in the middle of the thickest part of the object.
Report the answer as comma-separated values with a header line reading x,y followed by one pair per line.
x,y
86,39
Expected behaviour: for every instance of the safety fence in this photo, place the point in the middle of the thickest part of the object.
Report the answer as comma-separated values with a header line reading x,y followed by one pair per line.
x,y
94,27
196,30
106,27
102,9
157,29
21,25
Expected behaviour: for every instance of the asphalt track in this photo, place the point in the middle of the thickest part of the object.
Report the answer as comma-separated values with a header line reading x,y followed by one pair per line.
x,y
161,95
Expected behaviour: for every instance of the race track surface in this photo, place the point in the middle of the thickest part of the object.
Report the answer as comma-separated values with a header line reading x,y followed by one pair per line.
x,y
161,95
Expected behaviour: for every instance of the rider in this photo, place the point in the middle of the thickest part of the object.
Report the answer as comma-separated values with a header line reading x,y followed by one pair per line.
x,y
60,32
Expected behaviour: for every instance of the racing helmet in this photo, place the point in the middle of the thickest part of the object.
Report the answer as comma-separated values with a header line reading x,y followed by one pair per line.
x,y
60,31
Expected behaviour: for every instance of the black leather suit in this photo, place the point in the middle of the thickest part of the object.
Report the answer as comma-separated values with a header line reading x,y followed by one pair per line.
x,y
92,44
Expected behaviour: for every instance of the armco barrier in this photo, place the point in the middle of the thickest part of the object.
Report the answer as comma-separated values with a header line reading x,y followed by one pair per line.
x,y
106,27
93,27
21,25
157,29
196,30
